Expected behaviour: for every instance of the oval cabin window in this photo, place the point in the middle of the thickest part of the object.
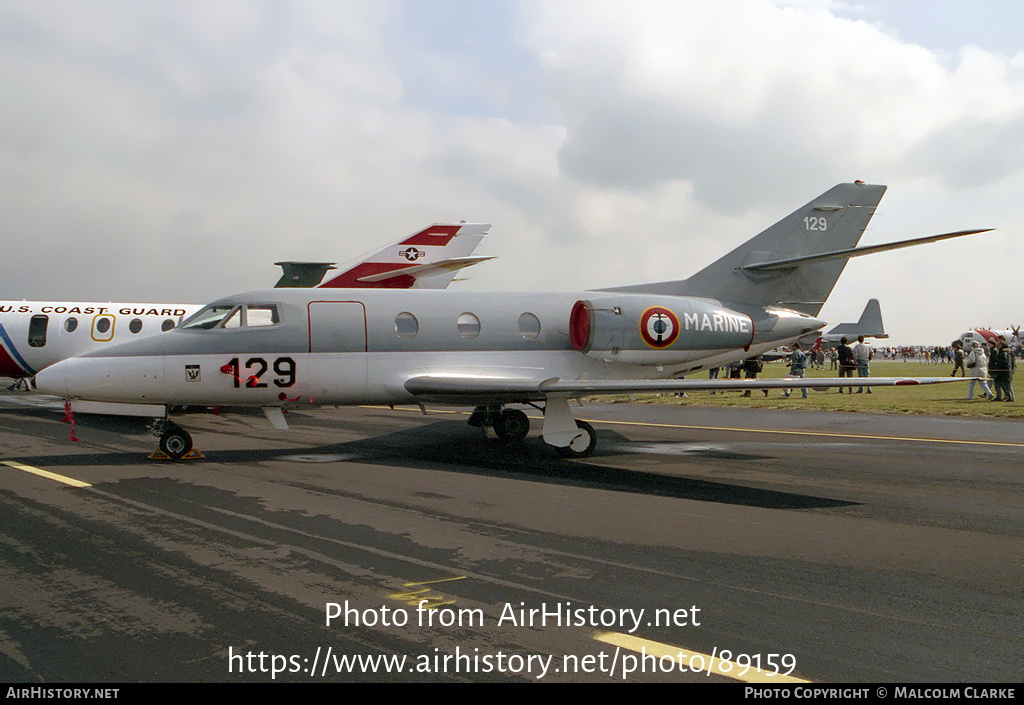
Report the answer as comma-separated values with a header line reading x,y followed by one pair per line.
x,y
469,326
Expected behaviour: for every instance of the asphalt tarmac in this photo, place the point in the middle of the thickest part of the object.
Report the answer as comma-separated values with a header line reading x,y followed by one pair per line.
x,y
370,544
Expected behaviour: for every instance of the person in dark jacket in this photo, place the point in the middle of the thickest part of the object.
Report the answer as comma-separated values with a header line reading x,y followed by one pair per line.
x,y
797,368
1001,366
847,363
958,359
751,366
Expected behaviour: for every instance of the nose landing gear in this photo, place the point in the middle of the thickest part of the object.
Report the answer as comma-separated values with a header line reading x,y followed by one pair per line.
x,y
175,441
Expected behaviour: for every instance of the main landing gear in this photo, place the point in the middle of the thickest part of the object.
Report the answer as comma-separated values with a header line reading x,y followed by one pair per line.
x,y
583,445
509,424
570,438
174,440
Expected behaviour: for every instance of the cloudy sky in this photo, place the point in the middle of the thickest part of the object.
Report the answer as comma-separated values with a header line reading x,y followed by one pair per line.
x,y
173,151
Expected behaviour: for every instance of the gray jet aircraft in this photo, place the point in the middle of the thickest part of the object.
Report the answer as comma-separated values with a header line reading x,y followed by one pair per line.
x,y
300,348
869,325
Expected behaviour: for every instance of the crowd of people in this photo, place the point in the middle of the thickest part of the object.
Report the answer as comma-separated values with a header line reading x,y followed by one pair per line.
x,y
995,362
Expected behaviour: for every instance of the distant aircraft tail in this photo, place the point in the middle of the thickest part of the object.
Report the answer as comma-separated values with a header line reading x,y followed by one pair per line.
x,y
796,262
428,259
870,324
302,275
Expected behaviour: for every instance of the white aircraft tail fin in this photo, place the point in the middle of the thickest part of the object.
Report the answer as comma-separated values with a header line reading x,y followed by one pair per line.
x,y
428,259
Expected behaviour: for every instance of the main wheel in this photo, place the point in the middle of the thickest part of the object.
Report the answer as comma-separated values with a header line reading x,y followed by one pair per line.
x,y
176,442
584,446
512,425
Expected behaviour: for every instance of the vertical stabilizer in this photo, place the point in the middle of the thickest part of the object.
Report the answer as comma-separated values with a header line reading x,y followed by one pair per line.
x,y
833,221
428,259
869,325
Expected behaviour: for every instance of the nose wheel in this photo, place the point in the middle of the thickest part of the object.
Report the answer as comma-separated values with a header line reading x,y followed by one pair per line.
x,y
175,441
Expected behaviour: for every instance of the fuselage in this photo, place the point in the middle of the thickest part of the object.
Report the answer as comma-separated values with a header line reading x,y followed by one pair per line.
x,y
36,334
294,347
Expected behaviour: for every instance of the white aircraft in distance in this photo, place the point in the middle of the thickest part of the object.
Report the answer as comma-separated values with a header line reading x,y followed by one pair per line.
x,y
36,334
303,348
869,325
984,335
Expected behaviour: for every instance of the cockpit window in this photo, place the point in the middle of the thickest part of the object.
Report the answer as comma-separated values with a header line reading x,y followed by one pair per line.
x,y
234,320
208,317
263,315
233,317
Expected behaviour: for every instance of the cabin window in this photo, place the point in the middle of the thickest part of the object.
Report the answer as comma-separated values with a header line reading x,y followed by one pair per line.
x,y
469,326
136,325
71,325
529,326
103,328
406,326
37,331
167,325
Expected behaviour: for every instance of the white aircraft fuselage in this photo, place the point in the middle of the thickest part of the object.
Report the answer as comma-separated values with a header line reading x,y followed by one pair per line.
x,y
36,334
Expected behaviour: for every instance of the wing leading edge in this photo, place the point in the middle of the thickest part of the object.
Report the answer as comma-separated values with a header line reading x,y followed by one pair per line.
x,y
483,389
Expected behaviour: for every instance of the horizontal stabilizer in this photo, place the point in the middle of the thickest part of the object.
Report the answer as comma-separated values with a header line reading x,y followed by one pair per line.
x,y
302,275
792,262
426,270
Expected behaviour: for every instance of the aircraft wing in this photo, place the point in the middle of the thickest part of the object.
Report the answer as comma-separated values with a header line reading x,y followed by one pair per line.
x,y
484,389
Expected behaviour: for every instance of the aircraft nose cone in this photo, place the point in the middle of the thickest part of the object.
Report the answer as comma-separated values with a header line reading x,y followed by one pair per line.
x,y
111,379
53,380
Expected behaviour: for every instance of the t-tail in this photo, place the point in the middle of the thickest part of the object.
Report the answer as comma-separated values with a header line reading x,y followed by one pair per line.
x,y
869,325
796,262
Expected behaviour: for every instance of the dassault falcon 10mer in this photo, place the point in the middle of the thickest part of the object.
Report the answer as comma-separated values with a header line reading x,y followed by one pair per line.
x,y
299,347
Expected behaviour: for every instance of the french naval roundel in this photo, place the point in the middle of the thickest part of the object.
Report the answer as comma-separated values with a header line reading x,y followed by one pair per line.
x,y
659,327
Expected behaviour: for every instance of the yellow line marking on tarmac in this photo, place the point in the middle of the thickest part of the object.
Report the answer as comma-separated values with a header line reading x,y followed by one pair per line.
x,y
440,580
43,473
417,598
711,663
825,434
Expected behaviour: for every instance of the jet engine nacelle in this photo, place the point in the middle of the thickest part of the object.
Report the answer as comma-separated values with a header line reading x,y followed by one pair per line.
x,y
656,330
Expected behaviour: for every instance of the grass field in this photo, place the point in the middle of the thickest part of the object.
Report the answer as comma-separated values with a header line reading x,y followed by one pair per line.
x,y
939,399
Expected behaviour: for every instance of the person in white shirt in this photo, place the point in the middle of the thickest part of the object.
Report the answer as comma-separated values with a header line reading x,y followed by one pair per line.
x,y
862,354
977,363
